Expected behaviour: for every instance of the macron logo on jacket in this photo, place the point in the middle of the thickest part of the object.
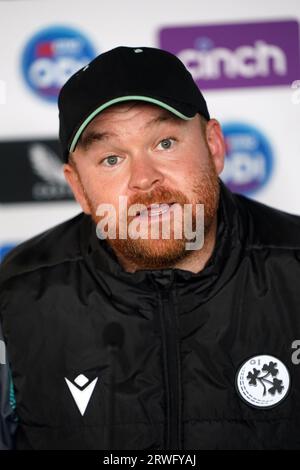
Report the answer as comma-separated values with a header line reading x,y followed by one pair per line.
x,y
81,392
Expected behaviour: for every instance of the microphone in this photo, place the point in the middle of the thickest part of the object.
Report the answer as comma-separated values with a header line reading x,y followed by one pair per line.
x,y
113,338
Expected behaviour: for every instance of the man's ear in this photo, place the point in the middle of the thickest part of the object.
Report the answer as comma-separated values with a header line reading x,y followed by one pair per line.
x,y
75,184
216,143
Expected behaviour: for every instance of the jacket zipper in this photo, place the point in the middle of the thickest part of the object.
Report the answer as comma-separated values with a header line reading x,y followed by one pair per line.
x,y
172,371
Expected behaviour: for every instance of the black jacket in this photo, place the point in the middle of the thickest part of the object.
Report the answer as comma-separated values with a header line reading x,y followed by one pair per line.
x,y
186,338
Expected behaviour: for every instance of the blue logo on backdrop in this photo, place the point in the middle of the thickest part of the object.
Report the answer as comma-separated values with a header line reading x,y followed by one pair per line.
x,y
51,56
249,158
4,249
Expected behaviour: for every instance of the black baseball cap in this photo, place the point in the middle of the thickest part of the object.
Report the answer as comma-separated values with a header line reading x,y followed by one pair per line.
x,y
122,74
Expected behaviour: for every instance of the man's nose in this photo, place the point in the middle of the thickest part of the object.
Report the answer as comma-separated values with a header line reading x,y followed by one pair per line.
x,y
144,175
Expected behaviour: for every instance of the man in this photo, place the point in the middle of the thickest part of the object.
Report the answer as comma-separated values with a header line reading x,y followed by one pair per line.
x,y
121,337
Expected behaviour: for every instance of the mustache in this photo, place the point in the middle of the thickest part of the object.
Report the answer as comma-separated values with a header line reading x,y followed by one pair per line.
x,y
159,195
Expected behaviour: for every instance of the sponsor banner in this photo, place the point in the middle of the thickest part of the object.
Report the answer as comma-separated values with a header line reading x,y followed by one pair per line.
x,y
237,55
249,158
51,56
32,171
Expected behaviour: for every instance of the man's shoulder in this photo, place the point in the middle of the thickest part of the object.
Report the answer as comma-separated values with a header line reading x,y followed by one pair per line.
x,y
56,245
268,226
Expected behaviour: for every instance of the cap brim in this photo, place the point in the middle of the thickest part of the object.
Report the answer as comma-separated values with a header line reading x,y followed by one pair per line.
x,y
189,113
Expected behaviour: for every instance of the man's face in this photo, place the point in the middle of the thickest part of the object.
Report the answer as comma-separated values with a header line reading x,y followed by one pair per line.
x,y
152,157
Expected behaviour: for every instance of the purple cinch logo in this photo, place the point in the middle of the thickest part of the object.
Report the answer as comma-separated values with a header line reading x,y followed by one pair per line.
x,y
237,55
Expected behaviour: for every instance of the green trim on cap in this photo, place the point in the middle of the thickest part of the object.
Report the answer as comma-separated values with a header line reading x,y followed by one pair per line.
x,y
119,100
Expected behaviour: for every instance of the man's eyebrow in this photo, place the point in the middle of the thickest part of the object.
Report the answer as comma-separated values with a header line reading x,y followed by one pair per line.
x,y
95,136
163,118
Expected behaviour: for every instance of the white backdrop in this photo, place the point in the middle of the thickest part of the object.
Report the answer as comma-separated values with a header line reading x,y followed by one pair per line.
x,y
134,23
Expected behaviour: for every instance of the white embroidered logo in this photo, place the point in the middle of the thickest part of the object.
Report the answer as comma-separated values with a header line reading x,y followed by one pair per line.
x,y
263,381
81,392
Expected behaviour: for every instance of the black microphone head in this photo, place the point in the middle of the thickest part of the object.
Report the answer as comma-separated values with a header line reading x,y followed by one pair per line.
x,y
113,335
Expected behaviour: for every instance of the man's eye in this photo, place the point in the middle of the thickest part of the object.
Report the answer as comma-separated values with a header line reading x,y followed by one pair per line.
x,y
166,143
112,160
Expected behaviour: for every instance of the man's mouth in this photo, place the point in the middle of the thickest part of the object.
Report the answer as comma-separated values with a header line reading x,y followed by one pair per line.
x,y
155,210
